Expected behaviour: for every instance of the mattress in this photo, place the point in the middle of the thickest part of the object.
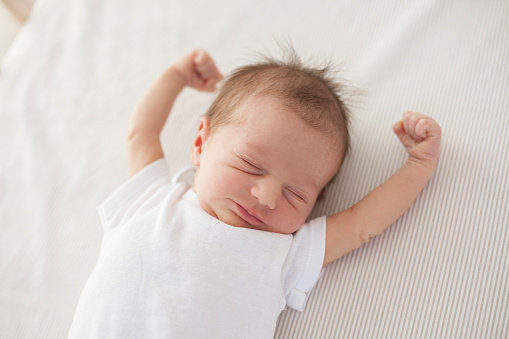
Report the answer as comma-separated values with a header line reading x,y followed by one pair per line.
x,y
75,71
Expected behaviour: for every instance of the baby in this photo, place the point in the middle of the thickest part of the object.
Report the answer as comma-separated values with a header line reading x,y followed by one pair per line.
x,y
220,249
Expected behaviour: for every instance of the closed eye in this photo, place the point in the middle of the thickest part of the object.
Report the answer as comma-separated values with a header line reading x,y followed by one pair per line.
x,y
249,167
296,195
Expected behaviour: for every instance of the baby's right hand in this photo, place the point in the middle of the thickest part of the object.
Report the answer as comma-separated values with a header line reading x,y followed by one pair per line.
x,y
198,70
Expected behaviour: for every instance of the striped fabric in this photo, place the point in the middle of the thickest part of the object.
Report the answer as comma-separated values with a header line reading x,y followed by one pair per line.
x,y
76,70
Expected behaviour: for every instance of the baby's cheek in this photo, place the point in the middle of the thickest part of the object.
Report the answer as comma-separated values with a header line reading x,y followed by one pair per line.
x,y
229,181
292,219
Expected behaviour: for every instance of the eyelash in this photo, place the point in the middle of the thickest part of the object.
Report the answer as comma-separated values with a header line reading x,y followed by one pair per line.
x,y
255,170
296,195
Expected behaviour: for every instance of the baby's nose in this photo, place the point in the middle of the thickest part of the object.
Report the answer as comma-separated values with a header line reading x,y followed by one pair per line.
x,y
267,190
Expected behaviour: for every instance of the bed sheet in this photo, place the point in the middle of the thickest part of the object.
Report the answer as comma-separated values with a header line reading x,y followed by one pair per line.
x,y
73,74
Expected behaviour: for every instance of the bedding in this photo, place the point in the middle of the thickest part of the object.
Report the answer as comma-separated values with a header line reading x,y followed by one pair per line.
x,y
75,71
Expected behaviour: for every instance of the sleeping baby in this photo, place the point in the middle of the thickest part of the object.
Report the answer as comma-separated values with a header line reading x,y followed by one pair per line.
x,y
219,249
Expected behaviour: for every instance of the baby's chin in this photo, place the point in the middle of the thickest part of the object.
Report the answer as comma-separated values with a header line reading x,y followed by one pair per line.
x,y
229,217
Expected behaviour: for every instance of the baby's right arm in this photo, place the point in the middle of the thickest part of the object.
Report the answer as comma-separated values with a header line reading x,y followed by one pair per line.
x,y
350,229
197,70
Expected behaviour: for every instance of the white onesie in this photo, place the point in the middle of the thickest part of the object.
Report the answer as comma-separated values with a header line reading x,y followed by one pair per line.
x,y
167,269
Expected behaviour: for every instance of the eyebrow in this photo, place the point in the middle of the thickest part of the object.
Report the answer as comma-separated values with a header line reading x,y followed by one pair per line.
x,y
249,148
256,150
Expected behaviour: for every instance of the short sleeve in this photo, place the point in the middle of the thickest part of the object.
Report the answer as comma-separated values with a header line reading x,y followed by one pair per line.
x,y
304,263
125,200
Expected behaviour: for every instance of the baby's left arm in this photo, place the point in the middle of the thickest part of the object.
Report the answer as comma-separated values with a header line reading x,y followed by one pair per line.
x,y
350,229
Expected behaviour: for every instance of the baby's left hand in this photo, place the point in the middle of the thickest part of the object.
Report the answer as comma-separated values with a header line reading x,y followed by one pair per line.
x,y
420,135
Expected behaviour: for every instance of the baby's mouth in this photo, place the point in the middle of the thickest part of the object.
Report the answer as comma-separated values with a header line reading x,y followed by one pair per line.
x,y
248,216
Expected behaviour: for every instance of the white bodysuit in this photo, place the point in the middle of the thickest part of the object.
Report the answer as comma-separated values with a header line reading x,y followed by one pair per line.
x,y
167,269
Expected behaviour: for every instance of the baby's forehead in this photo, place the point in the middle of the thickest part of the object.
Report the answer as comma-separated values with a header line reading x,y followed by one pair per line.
x,y
251,106
268,126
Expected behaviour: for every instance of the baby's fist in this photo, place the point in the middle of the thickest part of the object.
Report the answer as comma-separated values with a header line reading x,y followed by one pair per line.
x,y
420,135
198,70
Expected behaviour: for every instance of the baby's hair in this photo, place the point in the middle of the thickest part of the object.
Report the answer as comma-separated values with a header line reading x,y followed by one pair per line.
x,y
312,93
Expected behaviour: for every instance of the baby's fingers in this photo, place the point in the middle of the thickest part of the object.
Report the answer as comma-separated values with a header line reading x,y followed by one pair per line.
x,y
399,130
427,128
410,121
206,66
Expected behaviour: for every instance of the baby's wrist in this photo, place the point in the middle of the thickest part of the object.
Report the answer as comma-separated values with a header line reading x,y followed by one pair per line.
x,y
427,165
172,76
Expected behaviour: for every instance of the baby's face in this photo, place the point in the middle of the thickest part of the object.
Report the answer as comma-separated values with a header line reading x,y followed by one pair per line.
x,y
264,173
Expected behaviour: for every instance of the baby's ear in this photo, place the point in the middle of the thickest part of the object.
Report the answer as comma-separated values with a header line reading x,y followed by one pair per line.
x,y
200,140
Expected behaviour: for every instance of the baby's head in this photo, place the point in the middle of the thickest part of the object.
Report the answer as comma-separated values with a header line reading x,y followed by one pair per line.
x,y
275,136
